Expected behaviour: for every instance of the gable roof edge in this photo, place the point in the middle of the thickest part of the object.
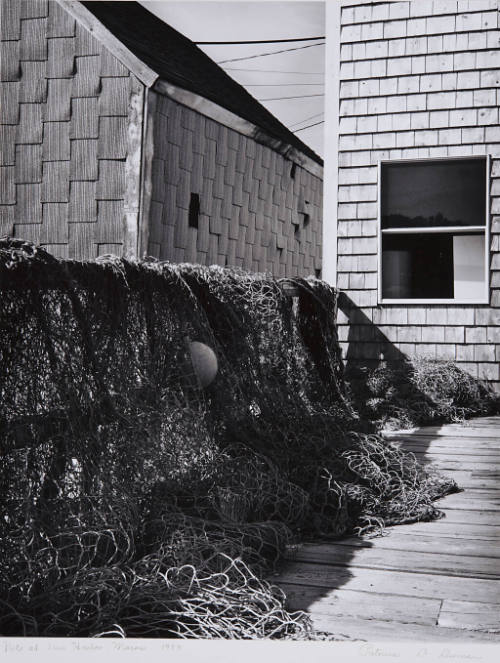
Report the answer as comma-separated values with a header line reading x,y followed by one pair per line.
x,y
229,119
88,21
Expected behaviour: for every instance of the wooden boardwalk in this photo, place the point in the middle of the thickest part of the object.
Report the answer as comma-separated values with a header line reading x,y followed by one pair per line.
x,y
432,581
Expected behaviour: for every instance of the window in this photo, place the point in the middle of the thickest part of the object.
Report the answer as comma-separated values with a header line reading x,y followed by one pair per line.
x,y
433,231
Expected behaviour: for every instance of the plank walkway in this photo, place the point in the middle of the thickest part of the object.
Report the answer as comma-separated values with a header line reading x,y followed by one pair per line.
x,y
430,581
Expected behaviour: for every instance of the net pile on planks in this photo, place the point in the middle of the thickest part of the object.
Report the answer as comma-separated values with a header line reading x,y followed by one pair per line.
x,y
137,502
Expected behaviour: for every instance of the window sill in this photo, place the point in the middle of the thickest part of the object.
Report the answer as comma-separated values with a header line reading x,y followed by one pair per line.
x,y
430,302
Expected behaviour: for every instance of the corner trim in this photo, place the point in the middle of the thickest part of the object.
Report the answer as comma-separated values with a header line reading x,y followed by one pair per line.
x,y
229,119
146,171
332,119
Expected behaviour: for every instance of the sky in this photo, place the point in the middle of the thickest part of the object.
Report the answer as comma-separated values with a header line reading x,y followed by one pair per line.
x,y
297,73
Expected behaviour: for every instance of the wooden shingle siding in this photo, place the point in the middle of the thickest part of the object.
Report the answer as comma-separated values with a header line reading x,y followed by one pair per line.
x,y
64,131
247,198
417,79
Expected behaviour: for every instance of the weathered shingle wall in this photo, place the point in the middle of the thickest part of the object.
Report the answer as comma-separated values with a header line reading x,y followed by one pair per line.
x,y
65,103
418,79
253,213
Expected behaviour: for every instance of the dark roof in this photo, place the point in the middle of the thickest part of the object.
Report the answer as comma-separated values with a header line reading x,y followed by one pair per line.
x,y
176,59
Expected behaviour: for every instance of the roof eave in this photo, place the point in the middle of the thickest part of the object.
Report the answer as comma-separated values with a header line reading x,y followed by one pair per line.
x,y
88,21
229,119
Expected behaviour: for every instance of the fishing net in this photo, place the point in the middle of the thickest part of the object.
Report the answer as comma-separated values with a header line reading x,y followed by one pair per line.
x,y
416,391
138,502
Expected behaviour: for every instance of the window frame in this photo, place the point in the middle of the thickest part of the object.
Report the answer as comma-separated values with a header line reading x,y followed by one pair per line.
x,y
485,299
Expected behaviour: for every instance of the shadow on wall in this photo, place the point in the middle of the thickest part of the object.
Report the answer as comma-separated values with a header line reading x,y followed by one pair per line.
x,y
375,395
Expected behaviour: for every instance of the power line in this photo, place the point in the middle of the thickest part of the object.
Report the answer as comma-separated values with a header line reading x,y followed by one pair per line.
x,y
262,55
277,71
306,119
308,127
300,96
279,84
256,41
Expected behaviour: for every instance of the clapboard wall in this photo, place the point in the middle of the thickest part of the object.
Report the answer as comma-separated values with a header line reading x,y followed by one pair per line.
x,y
417,79
257,209
65,105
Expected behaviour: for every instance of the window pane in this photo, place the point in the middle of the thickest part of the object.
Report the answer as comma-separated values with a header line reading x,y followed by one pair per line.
x,y
433,193
437,266
468,266
417,266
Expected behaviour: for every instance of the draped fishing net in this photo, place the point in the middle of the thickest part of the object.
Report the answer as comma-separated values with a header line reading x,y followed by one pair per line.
x,y
137,502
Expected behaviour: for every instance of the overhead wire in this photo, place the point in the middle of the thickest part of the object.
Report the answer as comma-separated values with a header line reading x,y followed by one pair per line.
x,y
256,41
296,131
279,84
262,55
299,96
306,119
276,71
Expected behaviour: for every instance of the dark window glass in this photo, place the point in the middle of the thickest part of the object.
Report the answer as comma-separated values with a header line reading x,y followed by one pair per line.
x,y
417,266
433,193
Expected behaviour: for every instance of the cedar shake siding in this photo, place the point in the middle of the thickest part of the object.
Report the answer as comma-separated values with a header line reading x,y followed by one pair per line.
x,y
66,105
120,136
257,210
417,80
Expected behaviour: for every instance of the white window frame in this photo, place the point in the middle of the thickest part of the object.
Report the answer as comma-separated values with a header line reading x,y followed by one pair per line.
x,y
456,229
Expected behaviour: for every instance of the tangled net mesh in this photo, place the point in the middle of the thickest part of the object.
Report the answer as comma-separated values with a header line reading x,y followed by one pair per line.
x,y
136,502
420,391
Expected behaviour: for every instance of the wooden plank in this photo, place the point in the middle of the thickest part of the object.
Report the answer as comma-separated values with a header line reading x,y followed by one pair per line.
x,y
470,615
447,528
449,430
421,562
459,443
348,628
484,501
479,453
379,581
426,543
348,603
491,464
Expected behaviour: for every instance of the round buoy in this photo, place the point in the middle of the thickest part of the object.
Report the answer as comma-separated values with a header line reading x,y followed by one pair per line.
x,y
204,362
